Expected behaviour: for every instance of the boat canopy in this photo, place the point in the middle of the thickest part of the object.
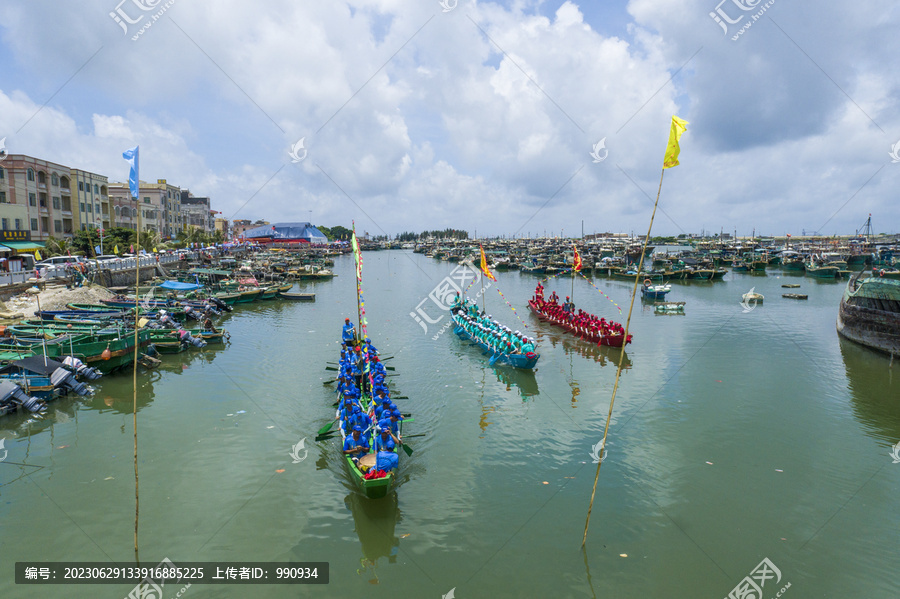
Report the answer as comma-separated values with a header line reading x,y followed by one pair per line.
x,y
177,286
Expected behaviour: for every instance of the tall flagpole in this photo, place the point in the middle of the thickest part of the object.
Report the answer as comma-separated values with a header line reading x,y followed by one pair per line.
x,y
670,160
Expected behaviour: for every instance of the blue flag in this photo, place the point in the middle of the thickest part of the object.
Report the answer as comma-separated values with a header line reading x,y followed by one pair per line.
x,y
134,180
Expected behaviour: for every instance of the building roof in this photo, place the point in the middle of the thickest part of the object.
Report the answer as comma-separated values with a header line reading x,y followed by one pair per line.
x,y
287,231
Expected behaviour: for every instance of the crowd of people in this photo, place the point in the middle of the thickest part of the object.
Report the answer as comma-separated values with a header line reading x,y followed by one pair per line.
x,y
483,327
583,323
368,417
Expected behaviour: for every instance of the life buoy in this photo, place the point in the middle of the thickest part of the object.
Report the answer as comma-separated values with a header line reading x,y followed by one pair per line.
x,y
647,282
881,273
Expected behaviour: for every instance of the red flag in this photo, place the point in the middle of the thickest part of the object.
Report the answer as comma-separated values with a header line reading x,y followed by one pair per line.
x,y
576,261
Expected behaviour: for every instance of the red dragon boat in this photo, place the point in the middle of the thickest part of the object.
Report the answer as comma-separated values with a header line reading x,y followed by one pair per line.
x,y
593,335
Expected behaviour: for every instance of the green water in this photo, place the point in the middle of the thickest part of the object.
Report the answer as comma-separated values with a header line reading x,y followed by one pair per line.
x,y
735,437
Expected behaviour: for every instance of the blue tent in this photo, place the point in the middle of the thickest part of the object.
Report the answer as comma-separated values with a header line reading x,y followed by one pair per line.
x,y
177,286
286,232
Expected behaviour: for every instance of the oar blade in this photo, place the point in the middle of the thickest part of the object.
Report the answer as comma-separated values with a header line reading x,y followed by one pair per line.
x,y
326,428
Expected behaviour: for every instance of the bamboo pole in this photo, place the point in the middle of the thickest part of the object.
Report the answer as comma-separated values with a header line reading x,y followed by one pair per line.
x,y
621,360
137,286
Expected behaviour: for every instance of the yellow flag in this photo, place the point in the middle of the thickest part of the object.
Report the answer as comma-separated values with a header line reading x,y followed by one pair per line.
x,y
37,255
116,249
679,126
154,250
484,267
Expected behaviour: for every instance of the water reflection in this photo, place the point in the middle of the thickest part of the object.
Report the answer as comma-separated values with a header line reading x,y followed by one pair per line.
x,y
523,380
375,523
874,394
600,354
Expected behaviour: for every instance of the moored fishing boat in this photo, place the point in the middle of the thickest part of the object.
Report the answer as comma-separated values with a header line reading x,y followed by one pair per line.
x,y
654,292
869,313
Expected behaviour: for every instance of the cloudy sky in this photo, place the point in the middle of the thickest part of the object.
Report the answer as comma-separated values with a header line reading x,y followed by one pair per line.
x,y
482,116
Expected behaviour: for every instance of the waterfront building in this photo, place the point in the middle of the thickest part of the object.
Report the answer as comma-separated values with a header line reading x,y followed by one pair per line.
x,y
90,203
196,212
37,197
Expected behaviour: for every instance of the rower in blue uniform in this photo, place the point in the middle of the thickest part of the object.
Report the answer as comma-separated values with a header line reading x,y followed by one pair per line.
x,y
355,445
348,335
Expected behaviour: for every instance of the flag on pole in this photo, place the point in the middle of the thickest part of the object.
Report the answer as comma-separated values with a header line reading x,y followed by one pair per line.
x,y
37,255
134,180
357,255
484,266
116,249
679,126
576,261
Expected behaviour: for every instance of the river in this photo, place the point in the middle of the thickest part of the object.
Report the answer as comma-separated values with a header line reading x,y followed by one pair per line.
x,y
737,436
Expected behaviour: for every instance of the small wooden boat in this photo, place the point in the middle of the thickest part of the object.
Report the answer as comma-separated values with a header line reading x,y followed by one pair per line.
x,y
798,296
269,292
752,296
303,297
791,286
825,271
669,308
654,292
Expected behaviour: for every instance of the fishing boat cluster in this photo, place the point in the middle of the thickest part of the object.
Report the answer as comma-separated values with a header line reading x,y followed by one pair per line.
x,y
617,257
53,352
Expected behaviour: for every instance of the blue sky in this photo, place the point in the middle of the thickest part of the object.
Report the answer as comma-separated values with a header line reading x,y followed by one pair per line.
x,y
482,116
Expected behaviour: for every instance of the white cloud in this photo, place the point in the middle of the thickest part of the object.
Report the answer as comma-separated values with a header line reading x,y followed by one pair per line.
x,y
470,126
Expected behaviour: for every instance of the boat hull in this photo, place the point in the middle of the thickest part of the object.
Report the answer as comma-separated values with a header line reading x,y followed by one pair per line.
x,y
522,361
600,339
871,316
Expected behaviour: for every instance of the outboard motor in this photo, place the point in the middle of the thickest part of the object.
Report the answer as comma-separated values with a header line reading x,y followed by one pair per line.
x,y
64,380
81,369
11,393
220,304
166,319
191,313
186,339
209,310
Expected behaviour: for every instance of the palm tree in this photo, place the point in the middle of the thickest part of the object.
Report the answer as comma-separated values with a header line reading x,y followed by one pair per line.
x,y
57,247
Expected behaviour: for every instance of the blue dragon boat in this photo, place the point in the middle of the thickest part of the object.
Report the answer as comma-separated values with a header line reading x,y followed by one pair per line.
x,y
524,361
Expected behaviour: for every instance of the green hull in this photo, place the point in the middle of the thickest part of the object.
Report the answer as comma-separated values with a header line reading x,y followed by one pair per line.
x,y
822,272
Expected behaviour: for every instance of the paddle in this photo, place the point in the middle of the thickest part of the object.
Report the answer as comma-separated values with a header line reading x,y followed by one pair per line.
x,y
493,359
336,364
325,437
327,427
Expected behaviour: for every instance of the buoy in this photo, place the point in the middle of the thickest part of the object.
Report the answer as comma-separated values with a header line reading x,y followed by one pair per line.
x,y
106,355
